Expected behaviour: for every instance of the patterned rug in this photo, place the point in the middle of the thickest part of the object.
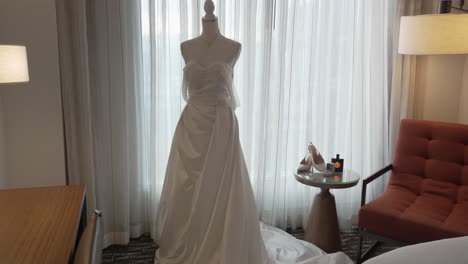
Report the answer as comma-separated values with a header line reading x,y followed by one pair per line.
x,y
141,250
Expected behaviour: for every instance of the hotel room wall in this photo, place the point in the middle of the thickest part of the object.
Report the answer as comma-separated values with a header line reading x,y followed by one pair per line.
x,y
2,146
32,112
438,87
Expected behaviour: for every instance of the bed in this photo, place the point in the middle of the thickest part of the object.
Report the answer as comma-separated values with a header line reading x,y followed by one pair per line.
x,y
445,251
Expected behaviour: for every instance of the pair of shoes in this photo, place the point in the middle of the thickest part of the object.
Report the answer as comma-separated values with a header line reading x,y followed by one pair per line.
x,y
314,158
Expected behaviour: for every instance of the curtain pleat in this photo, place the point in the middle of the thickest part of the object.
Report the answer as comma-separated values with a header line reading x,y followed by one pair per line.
x,y
76,92
403,80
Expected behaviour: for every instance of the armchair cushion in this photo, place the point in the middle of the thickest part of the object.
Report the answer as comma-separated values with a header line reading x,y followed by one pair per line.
x,y
427,194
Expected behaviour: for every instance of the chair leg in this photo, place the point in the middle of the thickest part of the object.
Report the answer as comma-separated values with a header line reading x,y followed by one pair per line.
x,y
358,258
363,256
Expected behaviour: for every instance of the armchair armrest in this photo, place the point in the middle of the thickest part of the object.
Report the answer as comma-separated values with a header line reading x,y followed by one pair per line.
x,y
372,178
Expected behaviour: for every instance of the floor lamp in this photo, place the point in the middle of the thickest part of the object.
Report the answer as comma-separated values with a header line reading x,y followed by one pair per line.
x,y
435,34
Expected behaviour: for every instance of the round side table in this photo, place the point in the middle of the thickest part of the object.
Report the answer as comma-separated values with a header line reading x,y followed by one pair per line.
x,y
322,227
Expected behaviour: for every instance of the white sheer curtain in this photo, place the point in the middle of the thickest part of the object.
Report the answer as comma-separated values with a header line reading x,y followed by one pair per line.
x,y
309,71
320,74
118,110
404,77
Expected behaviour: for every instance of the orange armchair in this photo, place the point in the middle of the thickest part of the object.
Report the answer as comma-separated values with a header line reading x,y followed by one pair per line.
x,y
427,194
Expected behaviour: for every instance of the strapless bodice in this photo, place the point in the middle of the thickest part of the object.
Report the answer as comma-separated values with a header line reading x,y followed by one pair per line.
x,y
209,85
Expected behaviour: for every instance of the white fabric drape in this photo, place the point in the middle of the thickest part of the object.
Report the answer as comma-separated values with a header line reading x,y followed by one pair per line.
x,y
404,77
119,125
323,78
315,71
74,73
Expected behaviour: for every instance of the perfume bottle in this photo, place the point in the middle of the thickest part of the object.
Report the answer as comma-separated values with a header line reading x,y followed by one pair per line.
x,y
338,163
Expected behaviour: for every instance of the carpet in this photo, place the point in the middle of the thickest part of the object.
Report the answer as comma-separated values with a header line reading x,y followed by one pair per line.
x,y
141,250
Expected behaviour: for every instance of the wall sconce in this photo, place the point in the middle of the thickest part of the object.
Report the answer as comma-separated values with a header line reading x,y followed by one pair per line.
x,y
13,64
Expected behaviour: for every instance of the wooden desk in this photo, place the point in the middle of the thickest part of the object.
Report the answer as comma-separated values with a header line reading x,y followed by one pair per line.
x,y
40,225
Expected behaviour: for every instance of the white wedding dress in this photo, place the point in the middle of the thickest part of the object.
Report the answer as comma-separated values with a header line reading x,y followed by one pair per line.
x,y
207,213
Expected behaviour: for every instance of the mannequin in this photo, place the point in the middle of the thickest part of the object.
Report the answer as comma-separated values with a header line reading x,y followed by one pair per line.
x,y
210,47
207,212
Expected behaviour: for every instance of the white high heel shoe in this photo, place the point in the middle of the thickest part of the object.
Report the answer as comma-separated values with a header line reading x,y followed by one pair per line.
x,y
305,164
318,162
314,158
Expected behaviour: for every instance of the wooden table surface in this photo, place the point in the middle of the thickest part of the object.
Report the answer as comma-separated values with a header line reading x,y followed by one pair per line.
x,y
39,225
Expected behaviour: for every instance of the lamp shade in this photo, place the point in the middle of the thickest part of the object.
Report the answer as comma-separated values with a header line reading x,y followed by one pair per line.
x,y
13,64
434,34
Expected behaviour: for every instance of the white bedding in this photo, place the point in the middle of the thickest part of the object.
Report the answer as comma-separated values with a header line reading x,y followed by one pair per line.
x,y
282,248
446,251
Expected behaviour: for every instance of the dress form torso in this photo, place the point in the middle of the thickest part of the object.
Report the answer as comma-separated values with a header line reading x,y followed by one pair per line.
x,y
209,63
211,47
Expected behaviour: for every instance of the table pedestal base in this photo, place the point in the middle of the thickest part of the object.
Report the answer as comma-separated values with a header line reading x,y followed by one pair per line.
x,y
322,227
